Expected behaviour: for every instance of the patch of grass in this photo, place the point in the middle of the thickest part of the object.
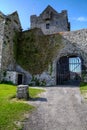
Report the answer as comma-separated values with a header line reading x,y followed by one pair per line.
x,y
83,86
34,92
83,89
11,111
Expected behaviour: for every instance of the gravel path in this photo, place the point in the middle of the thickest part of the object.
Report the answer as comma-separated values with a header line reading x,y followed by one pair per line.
x,y
59,108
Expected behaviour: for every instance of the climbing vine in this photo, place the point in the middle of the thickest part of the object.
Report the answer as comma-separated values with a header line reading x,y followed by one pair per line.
x,y
35,51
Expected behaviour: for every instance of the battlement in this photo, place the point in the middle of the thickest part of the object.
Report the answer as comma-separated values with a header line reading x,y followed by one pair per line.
x,y
50,21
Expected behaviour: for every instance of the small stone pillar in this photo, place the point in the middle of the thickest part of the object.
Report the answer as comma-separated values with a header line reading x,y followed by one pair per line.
x,y
22,92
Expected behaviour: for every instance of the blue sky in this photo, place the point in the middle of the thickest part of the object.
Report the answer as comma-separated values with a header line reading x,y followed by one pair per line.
x,y
77,10
75,64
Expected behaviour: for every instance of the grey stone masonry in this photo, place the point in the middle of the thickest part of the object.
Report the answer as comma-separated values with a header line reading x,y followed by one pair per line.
x,y
2,24
9,25
22,92
50,21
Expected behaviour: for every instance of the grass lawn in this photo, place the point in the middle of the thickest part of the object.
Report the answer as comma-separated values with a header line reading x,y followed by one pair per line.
x,y
12,111
83,89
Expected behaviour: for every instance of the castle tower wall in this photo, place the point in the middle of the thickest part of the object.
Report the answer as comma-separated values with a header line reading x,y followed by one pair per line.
x,y
11,26
50,21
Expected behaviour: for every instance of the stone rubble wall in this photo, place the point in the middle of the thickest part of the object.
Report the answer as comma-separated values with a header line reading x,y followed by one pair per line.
x,y
58,22
2,24
11,76
12,24
27,75
75,44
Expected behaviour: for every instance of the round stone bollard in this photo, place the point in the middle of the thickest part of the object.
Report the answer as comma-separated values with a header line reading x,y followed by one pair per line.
x,y
22,92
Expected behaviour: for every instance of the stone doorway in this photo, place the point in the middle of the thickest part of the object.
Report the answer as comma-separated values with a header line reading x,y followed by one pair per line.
x,y
69,70
20,79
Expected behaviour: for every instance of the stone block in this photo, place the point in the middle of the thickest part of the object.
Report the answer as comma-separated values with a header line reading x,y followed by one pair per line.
x,y
22,92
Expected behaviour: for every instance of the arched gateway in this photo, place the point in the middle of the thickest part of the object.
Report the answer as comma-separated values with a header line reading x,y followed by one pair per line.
x,y
69,69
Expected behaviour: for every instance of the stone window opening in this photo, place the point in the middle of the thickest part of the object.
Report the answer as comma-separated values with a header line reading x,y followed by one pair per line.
x,y
47,12
47,26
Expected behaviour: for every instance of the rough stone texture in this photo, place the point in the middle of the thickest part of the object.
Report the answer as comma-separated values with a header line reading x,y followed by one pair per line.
x,y
12,25
74,42
59,108
9,26
2,24
22,92
55,22
11,76
27,75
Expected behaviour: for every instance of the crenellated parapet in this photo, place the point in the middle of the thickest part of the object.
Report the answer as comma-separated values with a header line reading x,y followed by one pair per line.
x,y
50,21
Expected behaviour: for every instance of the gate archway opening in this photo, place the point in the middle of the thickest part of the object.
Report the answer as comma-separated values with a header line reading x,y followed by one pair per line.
x,y
69,70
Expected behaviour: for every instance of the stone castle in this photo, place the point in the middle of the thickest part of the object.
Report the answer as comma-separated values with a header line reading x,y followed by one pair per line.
x,y
71,57
51,21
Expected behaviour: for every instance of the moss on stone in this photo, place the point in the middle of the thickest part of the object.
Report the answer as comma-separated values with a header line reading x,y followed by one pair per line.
x,y
35,51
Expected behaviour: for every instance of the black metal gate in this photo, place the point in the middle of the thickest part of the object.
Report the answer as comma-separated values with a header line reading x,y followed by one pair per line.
x,y
68,70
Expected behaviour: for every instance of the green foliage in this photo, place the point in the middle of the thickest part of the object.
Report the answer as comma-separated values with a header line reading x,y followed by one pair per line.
x,y
83,84
83,89
50,68
12,111
4,73
16,40
6,82
36,51
36,82
34,92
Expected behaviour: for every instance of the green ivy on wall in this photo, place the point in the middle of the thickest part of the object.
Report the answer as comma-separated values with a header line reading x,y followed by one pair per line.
x,y
35,51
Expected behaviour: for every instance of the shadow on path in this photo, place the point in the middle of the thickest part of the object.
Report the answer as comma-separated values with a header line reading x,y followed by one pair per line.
x,y
38,99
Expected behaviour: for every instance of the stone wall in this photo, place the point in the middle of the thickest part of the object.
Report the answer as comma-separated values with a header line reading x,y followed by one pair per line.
x,y
12,25
51,21
2,24
27,76
11,76
75,44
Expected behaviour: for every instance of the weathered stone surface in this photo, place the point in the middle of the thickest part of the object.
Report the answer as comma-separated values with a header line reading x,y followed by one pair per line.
x,y
11,26
74,42
22,92
11,76
8,26
50,21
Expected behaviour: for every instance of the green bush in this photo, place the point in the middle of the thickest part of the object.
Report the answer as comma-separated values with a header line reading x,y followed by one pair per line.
x,y
37,82
7,82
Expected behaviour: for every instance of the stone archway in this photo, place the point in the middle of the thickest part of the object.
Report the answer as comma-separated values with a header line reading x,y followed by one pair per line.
x,y
69,69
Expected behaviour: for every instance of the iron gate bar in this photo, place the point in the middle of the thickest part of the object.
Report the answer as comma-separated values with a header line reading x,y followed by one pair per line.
x,y
68,69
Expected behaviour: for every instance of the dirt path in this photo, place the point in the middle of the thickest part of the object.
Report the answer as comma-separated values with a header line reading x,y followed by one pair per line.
x,y
59,108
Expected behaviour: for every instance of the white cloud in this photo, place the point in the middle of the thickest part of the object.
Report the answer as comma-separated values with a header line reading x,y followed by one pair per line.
x,y
81,19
